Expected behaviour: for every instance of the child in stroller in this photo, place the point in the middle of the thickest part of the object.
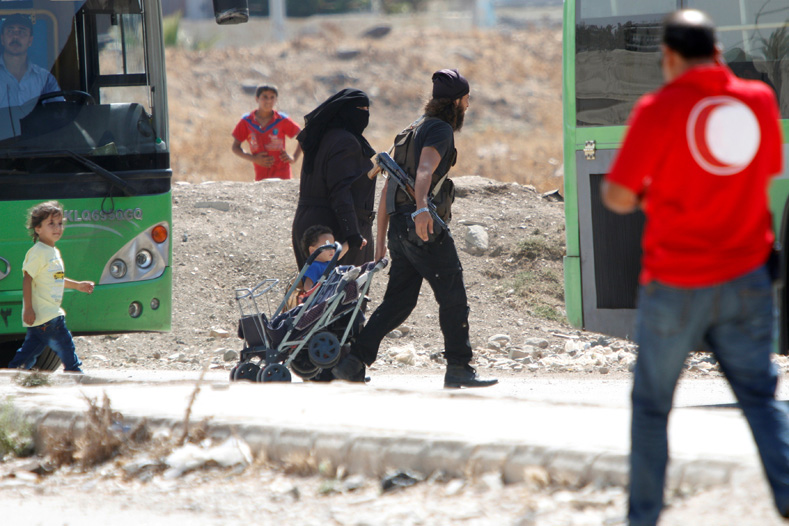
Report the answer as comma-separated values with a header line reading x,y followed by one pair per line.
x,y
309,337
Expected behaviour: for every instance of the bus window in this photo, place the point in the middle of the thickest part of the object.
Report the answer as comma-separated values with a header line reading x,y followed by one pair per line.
x,y
755,39
617,57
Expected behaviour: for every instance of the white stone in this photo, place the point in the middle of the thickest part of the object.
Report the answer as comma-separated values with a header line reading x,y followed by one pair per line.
x,y
477,241
501,339
219,333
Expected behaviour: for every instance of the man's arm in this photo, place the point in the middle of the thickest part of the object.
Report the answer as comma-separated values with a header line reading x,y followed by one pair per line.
x,y
383,224
428,162
618,198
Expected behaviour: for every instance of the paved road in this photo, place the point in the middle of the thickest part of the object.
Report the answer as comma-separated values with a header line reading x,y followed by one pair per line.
x,y
576,427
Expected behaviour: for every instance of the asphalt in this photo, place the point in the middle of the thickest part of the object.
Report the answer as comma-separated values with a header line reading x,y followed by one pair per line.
x,y
375,428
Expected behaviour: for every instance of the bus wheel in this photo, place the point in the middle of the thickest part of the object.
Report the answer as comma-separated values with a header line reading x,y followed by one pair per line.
x,y
47,361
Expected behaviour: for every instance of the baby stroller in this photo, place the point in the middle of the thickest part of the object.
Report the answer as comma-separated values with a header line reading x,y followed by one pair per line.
x,y
310,337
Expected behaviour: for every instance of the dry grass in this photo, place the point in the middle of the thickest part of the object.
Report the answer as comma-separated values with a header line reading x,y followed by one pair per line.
x,y
106,436
512,131
31,379
16,434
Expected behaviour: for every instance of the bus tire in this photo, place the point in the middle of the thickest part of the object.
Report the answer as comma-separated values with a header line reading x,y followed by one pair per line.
x,y
47,361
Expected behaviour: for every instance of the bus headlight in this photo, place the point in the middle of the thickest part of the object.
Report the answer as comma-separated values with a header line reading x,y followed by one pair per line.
x,y
118,269
154,303
144,259
135,309
145,256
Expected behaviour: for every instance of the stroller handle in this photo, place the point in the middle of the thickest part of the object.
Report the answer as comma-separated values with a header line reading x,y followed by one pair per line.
x,y
253,292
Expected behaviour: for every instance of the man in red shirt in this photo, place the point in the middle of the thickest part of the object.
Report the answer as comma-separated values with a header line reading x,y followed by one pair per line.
x,y
265,130
698,158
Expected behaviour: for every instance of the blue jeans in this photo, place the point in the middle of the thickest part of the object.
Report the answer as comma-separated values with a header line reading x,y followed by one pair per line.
x,y
734,321
53,334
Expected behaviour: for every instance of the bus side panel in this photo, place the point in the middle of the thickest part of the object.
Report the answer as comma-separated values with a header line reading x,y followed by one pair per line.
x,y
572,263
92,237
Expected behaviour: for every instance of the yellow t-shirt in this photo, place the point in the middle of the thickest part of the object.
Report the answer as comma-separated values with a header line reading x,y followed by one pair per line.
x,y
44,264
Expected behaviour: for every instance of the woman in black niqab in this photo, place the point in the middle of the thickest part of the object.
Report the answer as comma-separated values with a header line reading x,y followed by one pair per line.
x,y
334,189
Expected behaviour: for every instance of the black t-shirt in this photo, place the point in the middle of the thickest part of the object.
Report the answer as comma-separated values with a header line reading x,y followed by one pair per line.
x,y
439,135
434,133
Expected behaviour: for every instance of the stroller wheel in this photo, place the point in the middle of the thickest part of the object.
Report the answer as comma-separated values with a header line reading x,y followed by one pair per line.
x,y
274,372
246,371
305,373
233,372
324,349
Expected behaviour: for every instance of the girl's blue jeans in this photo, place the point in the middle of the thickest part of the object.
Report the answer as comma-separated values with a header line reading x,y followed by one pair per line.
x,y
53,334
734,320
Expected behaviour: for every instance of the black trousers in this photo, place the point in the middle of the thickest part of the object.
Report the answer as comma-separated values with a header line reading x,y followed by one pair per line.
x,y
439,264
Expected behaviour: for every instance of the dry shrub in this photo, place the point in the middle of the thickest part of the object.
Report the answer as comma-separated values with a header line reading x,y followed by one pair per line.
x,y
301,464
31,379
61,447
103,437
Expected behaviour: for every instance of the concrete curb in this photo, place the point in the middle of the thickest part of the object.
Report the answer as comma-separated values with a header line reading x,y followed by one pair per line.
x,y
375,454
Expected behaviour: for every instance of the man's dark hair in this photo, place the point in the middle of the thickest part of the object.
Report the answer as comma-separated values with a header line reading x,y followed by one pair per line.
x,y
17,19
266,87
311,236
691,33
447,111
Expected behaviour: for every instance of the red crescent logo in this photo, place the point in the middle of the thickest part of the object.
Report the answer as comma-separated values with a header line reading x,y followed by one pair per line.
x,y
723,135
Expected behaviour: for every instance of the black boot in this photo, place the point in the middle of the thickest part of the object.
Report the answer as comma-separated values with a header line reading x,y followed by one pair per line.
x,y
465,376
350,368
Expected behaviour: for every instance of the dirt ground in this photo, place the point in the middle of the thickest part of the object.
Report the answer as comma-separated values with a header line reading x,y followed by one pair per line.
x,y
230,233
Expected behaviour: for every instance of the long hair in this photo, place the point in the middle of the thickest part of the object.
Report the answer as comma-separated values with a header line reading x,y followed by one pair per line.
x,y
39,213
447,111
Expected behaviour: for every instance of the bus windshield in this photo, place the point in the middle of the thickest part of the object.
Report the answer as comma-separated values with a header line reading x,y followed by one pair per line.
x,y
618,53
74,78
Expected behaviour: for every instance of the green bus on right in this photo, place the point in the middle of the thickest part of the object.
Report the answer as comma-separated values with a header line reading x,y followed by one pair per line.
x,y
611,57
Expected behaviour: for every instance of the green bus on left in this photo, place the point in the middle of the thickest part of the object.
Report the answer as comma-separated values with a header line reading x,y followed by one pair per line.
x,y
86,125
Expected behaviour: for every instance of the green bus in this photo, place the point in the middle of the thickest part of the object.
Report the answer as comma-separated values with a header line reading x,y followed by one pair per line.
x,y
97,142
610,59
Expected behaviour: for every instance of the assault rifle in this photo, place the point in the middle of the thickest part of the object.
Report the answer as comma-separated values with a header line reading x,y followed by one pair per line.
x,y
394,172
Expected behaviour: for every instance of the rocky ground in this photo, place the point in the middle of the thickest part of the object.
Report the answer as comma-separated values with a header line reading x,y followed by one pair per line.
x,y
229,234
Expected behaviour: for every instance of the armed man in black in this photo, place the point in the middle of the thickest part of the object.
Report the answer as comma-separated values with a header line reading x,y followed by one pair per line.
x,y
421,248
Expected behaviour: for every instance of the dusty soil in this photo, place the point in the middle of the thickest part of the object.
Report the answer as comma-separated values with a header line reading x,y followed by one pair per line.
x,y
229,233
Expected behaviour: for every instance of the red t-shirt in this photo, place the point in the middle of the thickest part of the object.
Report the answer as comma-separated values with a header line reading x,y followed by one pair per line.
x,y
701,151
268,138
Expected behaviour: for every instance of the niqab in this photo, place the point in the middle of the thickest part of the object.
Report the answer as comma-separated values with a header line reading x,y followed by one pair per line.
x,y
341,110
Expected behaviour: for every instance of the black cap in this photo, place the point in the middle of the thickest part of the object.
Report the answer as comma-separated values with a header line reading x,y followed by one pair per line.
x,y
449,84
691,33
17,19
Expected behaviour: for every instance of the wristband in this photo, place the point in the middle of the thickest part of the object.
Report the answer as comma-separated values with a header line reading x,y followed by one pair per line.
x,y
425,209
